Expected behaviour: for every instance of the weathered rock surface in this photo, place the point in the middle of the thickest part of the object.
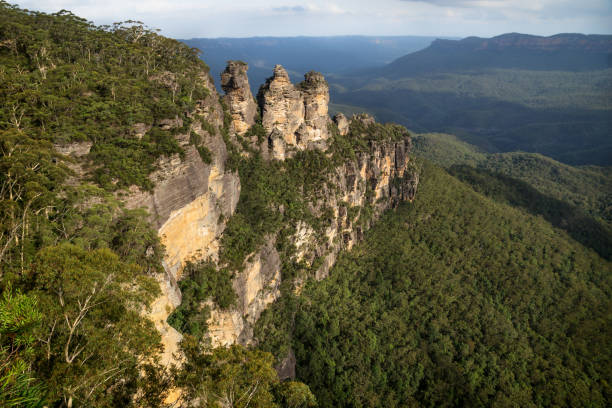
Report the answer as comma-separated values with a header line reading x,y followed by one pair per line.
x,y
189,200
314,133
282,111
238,97
295,118
256,287
379,178
342,123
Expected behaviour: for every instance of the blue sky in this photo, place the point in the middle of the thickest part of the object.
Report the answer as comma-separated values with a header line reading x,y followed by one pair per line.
x,y
246,18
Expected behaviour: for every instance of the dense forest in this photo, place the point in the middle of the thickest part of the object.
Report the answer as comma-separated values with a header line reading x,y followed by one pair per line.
x,y
453,300
588,189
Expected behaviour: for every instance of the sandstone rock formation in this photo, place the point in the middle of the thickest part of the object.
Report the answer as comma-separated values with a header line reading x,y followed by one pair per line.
x,y
342,123
186,205
379,178
256,287
238,97
314,132
295,118
282,111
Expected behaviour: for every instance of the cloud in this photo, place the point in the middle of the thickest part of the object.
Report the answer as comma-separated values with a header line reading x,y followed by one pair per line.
x,y
246,18
456,3
325,8
290,9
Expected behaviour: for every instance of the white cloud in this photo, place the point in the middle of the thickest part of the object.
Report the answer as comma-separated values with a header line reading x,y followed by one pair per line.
x,y
214,18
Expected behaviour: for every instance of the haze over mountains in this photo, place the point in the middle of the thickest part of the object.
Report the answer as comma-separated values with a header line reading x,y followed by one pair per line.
x,y
567,52
301,54
551,95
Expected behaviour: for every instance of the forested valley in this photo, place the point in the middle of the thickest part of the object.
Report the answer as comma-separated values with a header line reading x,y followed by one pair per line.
x,y
454,300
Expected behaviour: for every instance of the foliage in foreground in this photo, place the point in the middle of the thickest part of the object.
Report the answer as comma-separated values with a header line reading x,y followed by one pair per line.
x,y
237,377
18,316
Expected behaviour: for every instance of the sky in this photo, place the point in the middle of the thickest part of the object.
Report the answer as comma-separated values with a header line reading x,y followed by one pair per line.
x,y
247,18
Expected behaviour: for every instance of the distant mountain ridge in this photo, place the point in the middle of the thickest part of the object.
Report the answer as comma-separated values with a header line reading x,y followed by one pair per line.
x,y
590,43
550,95
301,54
565,52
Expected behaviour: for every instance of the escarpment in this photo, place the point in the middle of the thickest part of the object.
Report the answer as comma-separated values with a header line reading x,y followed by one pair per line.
x,y
356,189
361,169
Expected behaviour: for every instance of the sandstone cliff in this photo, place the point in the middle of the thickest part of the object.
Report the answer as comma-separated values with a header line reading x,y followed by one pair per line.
x,y
189,200
357,192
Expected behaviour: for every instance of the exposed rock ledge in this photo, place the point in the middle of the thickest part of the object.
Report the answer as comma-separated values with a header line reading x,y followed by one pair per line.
x,y
188,204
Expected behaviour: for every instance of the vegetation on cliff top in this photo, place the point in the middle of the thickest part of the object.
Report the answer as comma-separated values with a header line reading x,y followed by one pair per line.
x,y
66,80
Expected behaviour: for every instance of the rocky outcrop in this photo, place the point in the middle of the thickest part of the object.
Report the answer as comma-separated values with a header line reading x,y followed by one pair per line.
x,y
359,191
282,111
295,118
314,132
377,180
238,97
342,123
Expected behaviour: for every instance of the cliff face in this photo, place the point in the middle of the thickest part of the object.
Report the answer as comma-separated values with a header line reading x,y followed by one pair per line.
x,y
189,200
379,179
193,200
296,118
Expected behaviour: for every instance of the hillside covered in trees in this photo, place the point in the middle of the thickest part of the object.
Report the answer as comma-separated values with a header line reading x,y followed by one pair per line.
x,y
453,300
577,199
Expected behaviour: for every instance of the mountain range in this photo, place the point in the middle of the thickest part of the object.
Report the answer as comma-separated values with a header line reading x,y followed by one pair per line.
x,y
301,54
561,52
550,95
